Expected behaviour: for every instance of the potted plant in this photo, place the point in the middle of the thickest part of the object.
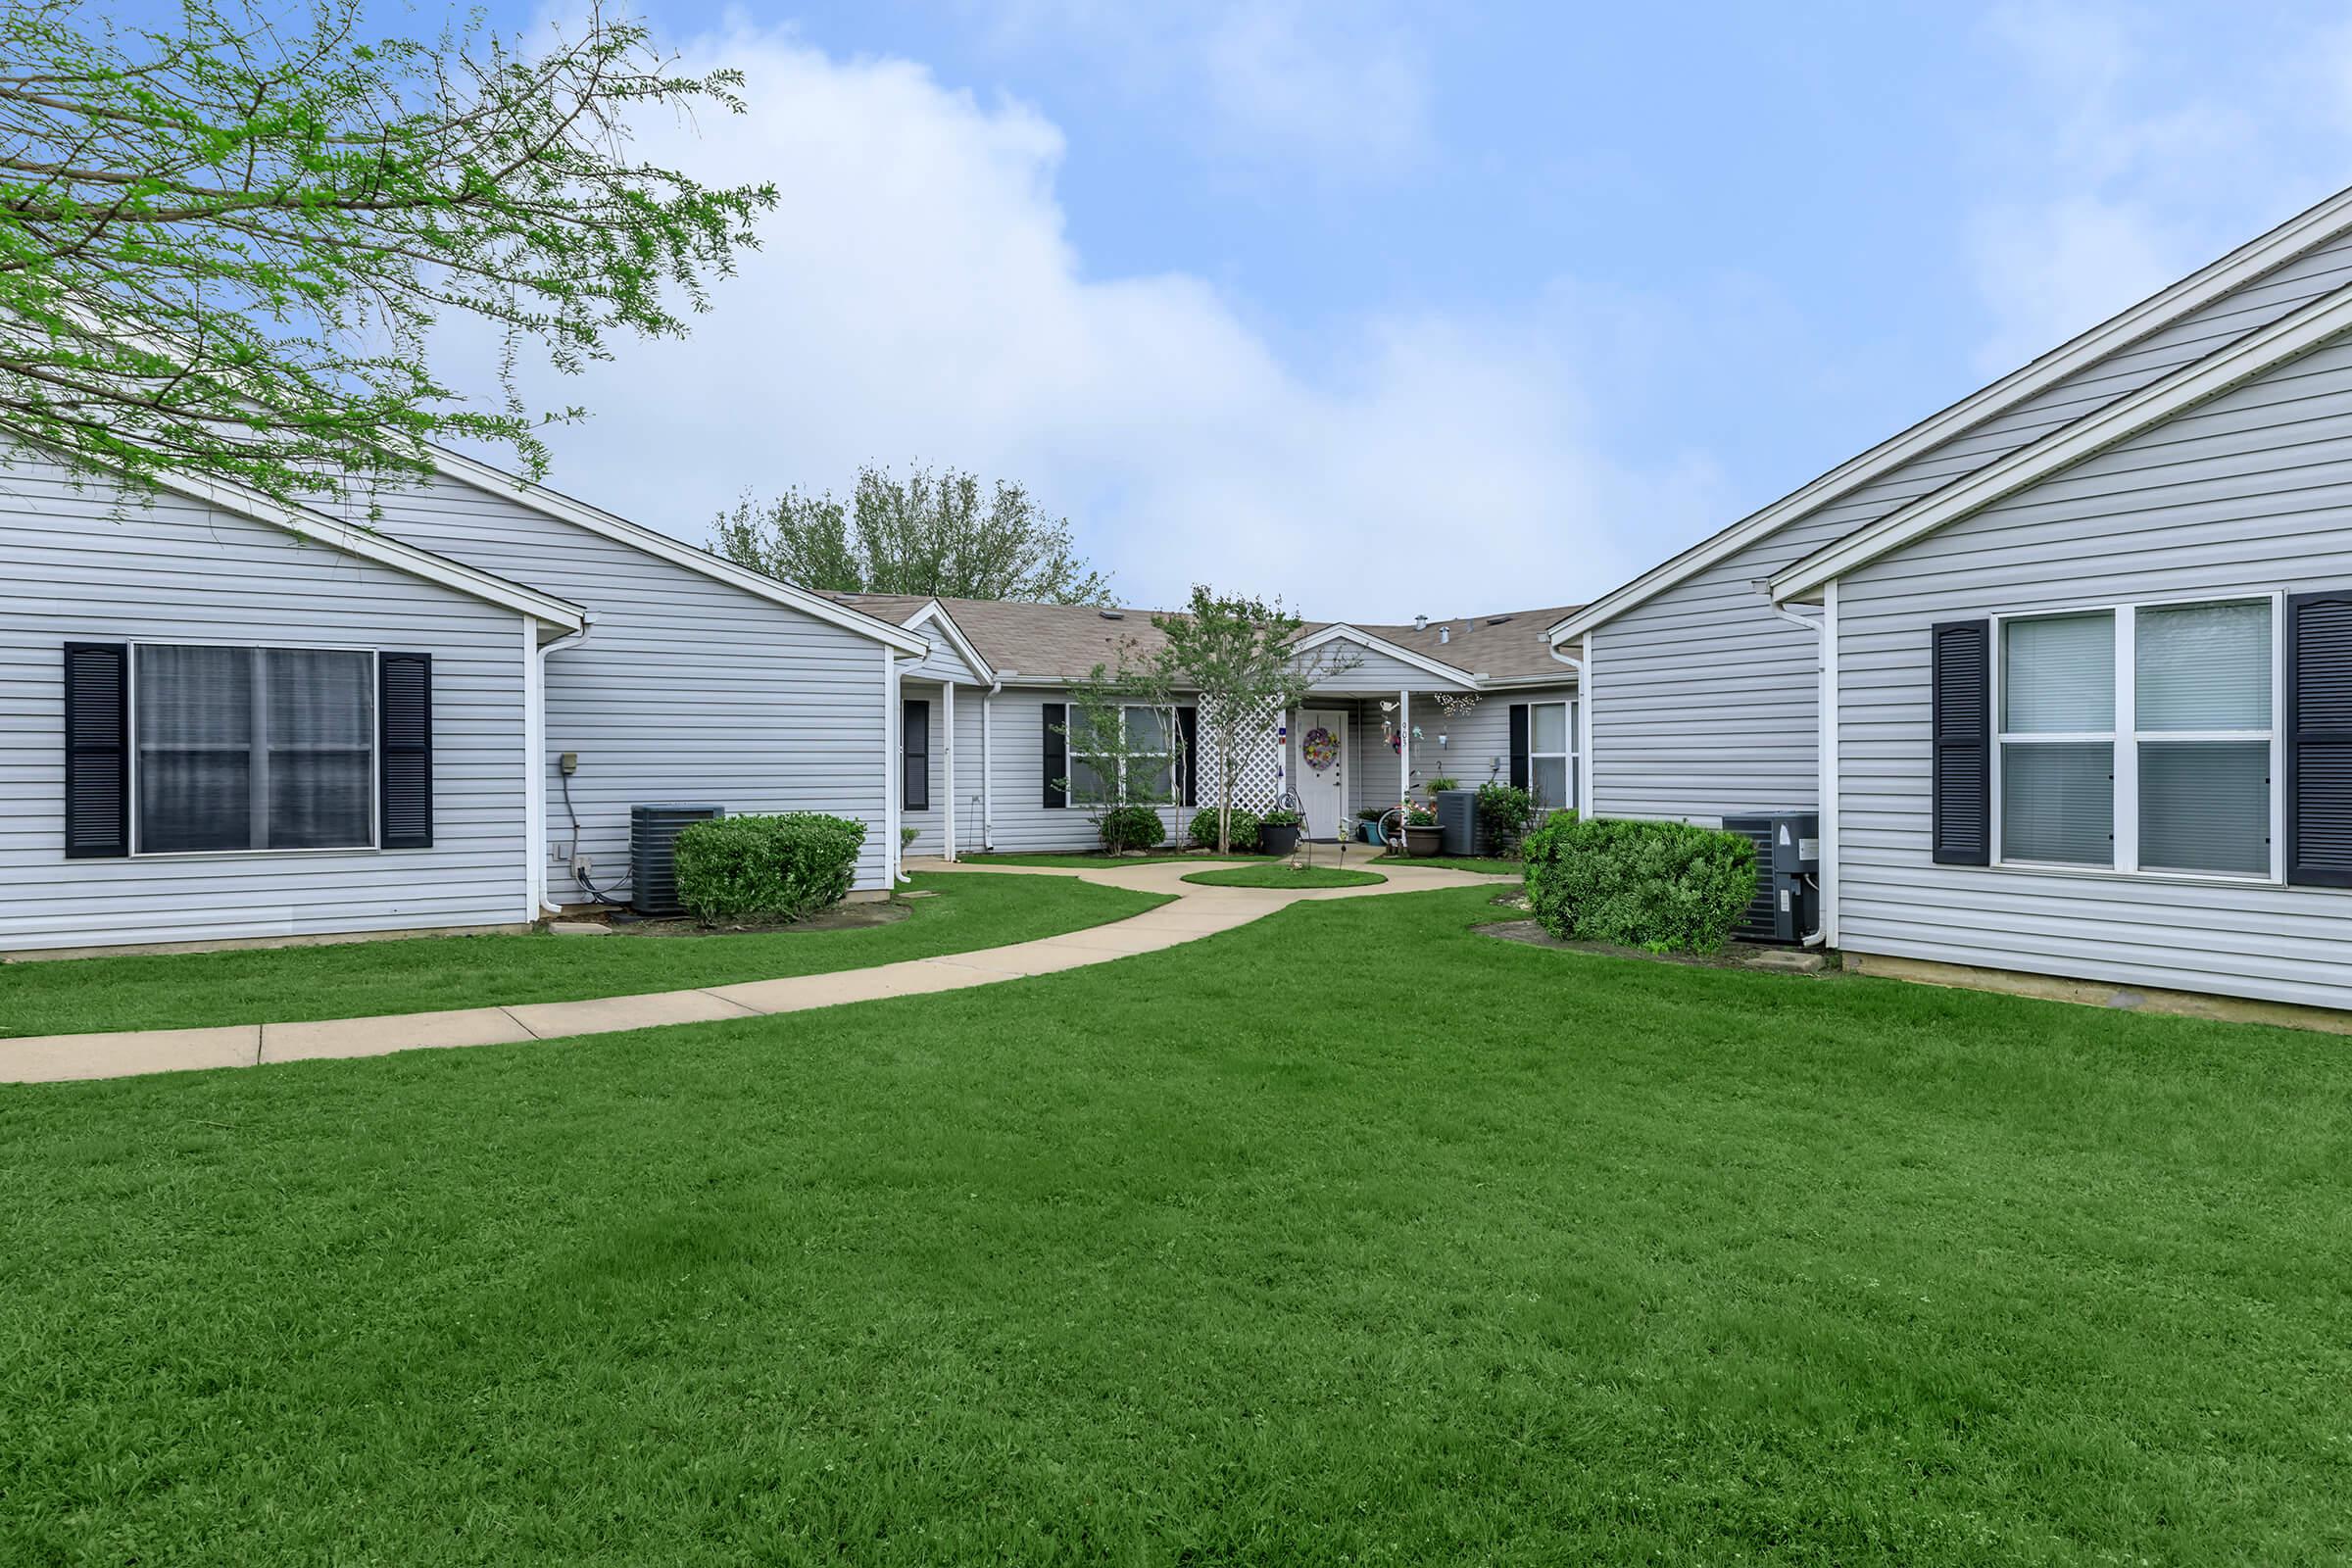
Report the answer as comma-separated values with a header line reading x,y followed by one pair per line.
x,y
1440,784
1367,824
1278,831
1421,834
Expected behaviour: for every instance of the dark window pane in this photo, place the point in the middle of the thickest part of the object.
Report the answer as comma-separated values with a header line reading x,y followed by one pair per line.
x,y
195,729
2058,803
319,800
2205,806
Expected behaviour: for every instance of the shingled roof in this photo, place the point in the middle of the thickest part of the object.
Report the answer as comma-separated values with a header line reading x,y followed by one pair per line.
x,y
1064,642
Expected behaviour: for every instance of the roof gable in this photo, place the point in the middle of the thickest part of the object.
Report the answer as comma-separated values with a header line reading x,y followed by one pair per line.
x,y
595,519
369,545
2292,336
2280,245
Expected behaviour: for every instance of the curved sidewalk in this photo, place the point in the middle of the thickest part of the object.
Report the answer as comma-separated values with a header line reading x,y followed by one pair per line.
x,y
1197,912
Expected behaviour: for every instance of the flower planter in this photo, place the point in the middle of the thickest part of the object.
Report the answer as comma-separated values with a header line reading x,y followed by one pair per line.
x,y
1428,840
1277,838
1370,832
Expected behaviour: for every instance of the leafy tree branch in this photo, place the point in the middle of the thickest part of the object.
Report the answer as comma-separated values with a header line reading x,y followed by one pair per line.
x,y
224,241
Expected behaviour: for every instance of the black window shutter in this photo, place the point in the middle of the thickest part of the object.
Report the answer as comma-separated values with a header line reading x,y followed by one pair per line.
x,y
1960,679
404,722
2319,739
1519,747
97,750
1187,734
1058,753
916,794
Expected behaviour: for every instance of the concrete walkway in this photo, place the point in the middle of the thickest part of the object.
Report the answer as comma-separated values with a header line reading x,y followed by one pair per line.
x,y
1197,912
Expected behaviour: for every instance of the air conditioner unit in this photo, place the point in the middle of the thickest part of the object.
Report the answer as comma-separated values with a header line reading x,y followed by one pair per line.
x,y
654,853
1787,907
1457,821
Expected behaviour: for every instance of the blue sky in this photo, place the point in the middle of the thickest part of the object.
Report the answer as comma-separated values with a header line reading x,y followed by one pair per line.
x,y
1442,308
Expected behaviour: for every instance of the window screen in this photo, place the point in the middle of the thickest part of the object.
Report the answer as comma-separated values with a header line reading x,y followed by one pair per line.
x,y
250,749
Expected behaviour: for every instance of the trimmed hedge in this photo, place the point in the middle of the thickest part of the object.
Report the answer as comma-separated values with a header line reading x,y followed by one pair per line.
x,y
1131,827
786,866
1664,886
1203,831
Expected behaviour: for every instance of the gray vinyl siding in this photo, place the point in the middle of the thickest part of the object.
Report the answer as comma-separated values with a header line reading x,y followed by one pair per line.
x,y
1375,671
687,689
970,828
1705,702
2249,493
930,823
81,566
1480,745
1020,823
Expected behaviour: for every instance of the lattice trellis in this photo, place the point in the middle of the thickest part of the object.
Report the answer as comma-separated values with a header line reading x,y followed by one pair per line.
x,y
1260,782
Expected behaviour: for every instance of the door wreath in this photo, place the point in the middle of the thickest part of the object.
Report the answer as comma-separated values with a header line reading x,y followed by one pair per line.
x,y
1319,748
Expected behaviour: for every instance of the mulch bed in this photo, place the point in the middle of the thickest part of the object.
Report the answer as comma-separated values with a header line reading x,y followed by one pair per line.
x,y
841,918
1735,955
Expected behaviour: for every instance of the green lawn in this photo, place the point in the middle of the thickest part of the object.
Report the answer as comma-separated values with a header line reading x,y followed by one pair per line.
x,y
1099,862
1282,875
1453,862
1348,1236
357,979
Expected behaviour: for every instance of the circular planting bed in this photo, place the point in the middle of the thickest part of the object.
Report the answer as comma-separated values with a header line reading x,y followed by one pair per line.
x,y
1283,876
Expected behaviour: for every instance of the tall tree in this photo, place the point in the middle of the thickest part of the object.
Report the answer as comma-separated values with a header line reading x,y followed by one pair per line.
x,y
929,533
1239,655
224,240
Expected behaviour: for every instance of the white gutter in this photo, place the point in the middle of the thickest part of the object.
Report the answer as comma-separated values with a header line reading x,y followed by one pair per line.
x,y
988,768
1583,739
1825,744
534,727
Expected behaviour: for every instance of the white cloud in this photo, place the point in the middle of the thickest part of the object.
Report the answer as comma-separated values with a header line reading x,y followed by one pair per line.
x,y
917,299
2129,161
1340,88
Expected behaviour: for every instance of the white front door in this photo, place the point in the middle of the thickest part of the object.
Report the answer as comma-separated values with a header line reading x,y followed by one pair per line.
x,y
1319,769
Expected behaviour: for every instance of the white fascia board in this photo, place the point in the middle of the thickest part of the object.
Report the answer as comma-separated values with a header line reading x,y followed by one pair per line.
x,y
1380,645
595,519
379,547
2215,373
1508,683
936,615
2193,293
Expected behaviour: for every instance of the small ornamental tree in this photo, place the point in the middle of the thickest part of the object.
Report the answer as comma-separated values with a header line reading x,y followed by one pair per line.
x,y
1124,754
1239,655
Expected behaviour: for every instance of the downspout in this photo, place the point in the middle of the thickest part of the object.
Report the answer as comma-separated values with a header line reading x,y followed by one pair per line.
x,y
987,763
572,639
1821,665
1584,741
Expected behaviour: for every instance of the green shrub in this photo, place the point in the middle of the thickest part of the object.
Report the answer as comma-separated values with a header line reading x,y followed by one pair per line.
x,y
1503,814
1665,886
1130,827
773,867
1203,831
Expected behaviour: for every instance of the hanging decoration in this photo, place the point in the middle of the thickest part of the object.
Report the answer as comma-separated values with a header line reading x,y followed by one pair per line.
x,y
1456,704
1319,748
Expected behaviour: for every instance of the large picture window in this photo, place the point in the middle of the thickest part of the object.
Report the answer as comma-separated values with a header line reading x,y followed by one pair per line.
x,y
1551,755
252,749
2141,738
1150,760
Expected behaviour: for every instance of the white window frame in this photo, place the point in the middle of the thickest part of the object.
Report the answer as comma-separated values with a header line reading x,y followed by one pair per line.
x,y
1176,785
2126,738
375,746
1566,758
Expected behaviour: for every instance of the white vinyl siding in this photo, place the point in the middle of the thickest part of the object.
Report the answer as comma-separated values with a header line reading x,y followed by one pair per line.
x,y
1705,702
687,689
2244,498
85,564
